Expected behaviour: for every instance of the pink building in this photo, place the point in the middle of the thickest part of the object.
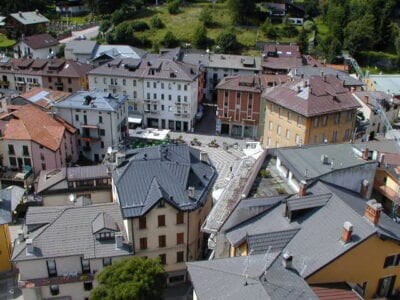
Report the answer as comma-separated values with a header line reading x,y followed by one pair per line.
x,y
32,137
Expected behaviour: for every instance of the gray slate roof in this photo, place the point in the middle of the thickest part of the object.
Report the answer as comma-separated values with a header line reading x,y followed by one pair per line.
x,y
389,83
162,172
30,17
305,161
14,194
5,210
70,233
313,236
82,47
101,101
266,279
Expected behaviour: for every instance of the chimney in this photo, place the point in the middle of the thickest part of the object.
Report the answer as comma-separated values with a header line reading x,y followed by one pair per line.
x,y
21,236
302,189
287,260
365,154
29,247
366,99
347,231
118,241
373,211
381,158
190,191
364,188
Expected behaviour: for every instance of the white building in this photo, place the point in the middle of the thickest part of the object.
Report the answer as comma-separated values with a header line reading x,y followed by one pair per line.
x,y
376,109
163,91
36,46
100,117
63,247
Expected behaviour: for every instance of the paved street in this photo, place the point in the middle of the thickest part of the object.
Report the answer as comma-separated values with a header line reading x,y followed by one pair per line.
x,y
89,33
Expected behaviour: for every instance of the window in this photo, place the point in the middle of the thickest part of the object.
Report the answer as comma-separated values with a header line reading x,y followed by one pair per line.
x,y
287,133
162,241
316,122
350,115
270,125
169,97
51,268
289,116
279,130
162,85
163,259
85,265
297,139
100,119
143,243
106,261
69,80
87,285
334,136
102,145
324,120
336,118
185,87
134,94
179,87
161,220
154,96
299,120
323,138
392,260
148,84
27,162
161,204
179,256
13,161
142,222
179,238
347,134
148,96
102,132
134,82
25,151
54,290
179,217
280,112
11,150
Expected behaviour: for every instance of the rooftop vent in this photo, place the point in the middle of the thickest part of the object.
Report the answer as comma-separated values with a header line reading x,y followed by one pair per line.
x,y
287,260
118,241
190,191
347,232
324,159
29,247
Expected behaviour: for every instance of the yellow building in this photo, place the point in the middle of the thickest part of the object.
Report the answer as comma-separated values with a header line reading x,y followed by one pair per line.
x,y
312,110
331,235
5,239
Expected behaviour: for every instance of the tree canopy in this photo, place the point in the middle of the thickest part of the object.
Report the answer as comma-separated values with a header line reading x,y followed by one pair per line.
x,y
133,278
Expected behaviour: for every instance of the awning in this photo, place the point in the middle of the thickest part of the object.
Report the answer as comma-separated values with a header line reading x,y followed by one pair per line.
x,y
89,126
135,119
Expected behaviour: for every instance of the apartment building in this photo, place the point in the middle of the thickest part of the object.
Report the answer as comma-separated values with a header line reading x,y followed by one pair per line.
x,y
101,120
280,58
376,109
165,195
64,186
239,104
23,74
62,248
164,92
313,110
34,139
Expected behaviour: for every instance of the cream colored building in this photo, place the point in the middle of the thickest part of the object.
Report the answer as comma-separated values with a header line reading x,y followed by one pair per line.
x,y
165,195
64,247
311,110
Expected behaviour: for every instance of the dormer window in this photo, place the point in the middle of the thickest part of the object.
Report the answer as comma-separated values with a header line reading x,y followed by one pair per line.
x,y
107,235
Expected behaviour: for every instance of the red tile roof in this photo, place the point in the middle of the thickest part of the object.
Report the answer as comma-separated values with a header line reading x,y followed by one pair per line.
x,y
286,56
248,83
44,97
32,123
313,96
334,291
39,41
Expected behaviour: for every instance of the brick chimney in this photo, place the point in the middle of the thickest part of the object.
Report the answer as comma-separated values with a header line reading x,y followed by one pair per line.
x,y
365,154
302,189
347,231
373,211
366,99
287,260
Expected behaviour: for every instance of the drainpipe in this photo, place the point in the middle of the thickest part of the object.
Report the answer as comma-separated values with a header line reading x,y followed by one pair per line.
x,y
187,237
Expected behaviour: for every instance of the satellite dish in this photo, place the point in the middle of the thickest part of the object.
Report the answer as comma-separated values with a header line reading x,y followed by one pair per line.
x,y
72,197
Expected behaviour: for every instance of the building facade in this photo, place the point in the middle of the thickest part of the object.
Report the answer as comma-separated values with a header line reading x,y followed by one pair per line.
x,y
239,105
36,46
101,120
35,140
164,194
311,110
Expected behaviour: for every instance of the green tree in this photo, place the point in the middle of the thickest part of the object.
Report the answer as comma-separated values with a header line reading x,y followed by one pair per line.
x,y
199,38
122,34
227,42
242,10
359,34
302,41
269,29
311,8
170,40
105,25
174,7
130,278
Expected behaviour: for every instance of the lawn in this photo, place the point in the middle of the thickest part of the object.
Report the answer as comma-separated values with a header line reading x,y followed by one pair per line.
x,y
182,25
5,42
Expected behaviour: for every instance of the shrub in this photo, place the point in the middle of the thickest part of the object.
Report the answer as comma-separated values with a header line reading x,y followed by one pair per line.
x,y
170,40
140,26
105,25
174,7
308,26
156,22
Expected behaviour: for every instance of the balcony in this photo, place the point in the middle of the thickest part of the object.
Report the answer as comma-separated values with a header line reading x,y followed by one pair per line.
x,y
66,278
90,138
20,82
4,82
385,190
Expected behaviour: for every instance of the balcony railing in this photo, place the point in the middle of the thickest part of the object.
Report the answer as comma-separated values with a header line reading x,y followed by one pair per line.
x,y
66,278
89,138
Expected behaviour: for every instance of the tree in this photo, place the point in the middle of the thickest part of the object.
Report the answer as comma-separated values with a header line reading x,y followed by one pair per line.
x,y
302,41
122,34
131,278
206,17
170,40
359,34
269,29
227,42
311,7
200,39
156,22
174,7
242,10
